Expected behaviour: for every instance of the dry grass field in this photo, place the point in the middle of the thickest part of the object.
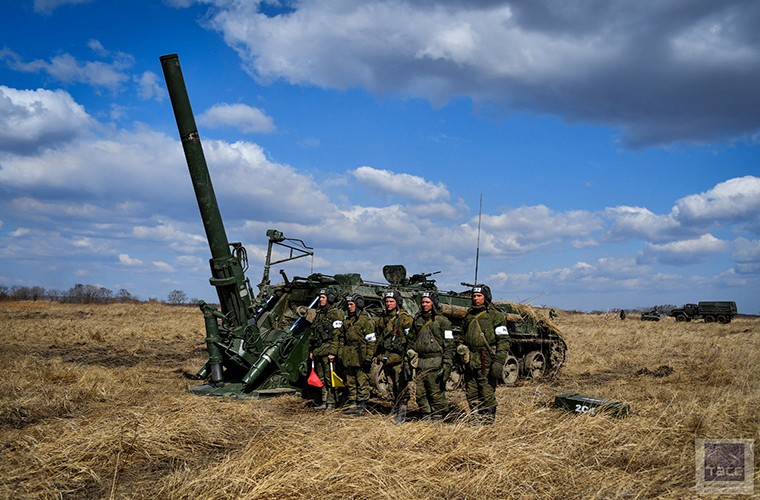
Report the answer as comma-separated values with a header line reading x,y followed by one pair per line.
x,y
93,405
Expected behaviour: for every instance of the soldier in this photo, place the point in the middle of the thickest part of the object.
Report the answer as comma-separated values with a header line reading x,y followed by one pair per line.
x,y
324,342
393,327
357,348
484,349
431,341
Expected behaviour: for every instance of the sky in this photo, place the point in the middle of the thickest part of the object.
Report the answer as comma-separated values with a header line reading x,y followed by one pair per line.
x,y
615,145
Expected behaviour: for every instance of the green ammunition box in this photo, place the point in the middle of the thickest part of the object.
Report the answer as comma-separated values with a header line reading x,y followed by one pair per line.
x,y
577,403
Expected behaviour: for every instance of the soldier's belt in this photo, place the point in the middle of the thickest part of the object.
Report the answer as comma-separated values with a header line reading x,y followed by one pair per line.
x,y
430,355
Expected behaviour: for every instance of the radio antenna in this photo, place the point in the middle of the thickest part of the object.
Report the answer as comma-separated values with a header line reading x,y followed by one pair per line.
x,y
477,251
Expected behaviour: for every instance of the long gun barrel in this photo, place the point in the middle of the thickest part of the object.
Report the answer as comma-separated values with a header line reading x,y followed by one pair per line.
x,y
227,273
226,270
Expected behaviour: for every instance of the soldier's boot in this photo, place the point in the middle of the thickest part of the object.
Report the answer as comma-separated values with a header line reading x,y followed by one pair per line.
x,y
401,414
323,405
330,407
361,408
351,410
489,415
476,417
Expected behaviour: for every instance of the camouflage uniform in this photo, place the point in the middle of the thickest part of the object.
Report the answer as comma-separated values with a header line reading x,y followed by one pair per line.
x,y
392,329
357,345
485,334
324,341
432,339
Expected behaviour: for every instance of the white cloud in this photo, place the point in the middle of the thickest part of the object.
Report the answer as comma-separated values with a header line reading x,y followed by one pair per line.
x,y
31,120
584,62
734,200
407,186
22,231
240,169
241,116
171,236
683,252
107,170
747,250
67,69
639,223
129,261
163,266
148,86
523,228
747,257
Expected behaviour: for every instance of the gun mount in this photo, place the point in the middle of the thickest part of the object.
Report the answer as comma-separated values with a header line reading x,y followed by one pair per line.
x,y
260,346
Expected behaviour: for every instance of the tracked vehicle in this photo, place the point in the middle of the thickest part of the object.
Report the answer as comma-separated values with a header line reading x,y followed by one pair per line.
x,y
258,343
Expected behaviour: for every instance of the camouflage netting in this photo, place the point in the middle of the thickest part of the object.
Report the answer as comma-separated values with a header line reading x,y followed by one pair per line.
x,y
526,312
544,333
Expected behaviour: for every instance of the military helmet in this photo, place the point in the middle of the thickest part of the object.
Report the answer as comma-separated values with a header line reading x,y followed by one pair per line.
x,y
433,297
393,294
329,293
356,299
485,290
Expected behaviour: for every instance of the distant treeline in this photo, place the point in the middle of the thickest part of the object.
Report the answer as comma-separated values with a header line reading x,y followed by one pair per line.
x,y
93,294
85,294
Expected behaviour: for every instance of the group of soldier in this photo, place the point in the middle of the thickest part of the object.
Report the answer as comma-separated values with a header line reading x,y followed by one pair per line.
x,y
422,348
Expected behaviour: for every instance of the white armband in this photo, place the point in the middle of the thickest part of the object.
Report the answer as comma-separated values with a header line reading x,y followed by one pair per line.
x,y
337,324
501,330
448,335
406,331
370,337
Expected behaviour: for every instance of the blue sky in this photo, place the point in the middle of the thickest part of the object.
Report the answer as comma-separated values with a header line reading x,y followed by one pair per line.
x,y
615,144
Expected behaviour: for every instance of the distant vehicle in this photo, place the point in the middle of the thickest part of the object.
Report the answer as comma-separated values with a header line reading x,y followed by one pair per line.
x,y
651,316
710,311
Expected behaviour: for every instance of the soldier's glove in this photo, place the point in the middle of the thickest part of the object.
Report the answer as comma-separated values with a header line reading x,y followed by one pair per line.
x,y
464,353
497,370
366,365
413,358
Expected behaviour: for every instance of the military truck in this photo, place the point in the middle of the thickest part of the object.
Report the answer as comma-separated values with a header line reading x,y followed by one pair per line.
x,y
710,311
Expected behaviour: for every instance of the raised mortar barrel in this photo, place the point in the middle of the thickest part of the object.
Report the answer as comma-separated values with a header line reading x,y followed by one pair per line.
x,y
227,274
196,161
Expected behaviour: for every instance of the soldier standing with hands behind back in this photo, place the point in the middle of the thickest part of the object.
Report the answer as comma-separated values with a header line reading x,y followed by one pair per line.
x,y
357,349
484,349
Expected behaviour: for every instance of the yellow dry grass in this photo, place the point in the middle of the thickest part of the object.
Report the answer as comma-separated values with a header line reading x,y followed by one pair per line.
x,y
93,405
